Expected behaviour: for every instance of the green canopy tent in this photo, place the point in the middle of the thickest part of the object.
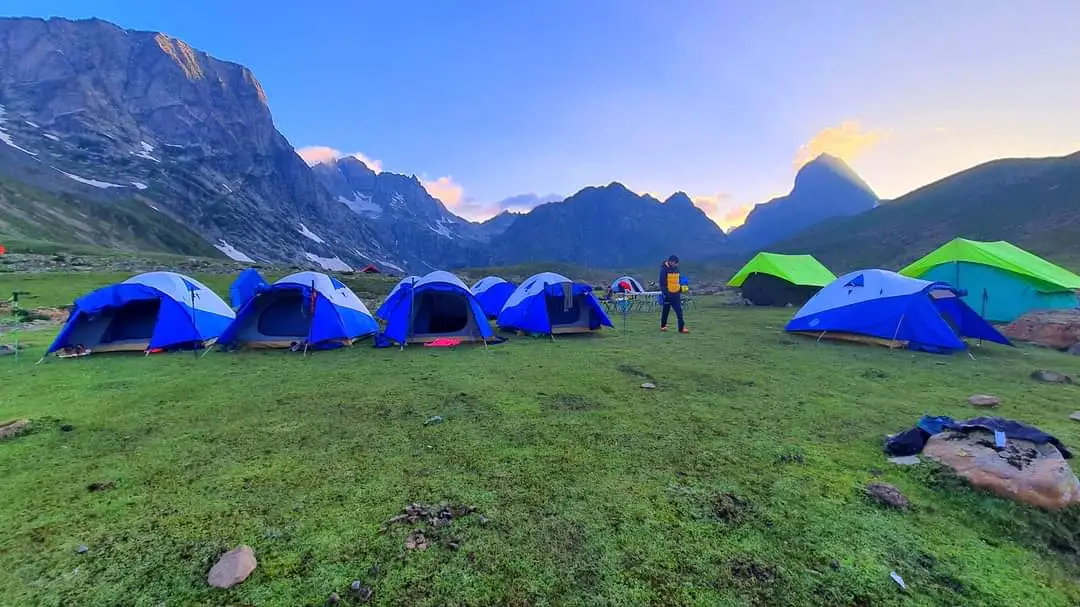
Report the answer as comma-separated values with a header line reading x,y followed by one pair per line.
x,y
1002,280
772,279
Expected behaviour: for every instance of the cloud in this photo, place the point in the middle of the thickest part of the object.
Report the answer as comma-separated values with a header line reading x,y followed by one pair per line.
x,y
317,154
453,197
847,141
446,190
723,210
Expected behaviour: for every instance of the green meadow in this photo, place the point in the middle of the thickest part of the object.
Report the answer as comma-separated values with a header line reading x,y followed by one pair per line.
x,y
738,480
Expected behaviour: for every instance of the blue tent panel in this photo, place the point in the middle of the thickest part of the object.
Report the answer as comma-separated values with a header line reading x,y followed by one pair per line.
x,y
436,305
492,293
245,286
550,303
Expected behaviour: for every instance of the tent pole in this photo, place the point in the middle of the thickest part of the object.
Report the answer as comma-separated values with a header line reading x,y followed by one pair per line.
x,y
311,320
194,327
897,332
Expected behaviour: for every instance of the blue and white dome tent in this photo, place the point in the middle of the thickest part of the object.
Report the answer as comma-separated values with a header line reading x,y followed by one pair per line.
x,y
552,304
438,305
308,309
879,306
492,293
246,285
152,311
635,285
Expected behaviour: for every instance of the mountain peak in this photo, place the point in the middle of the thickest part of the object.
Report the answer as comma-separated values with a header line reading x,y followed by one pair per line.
x,y
679,199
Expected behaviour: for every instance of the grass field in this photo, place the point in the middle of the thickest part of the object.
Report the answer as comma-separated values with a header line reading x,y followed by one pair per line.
x,y
737,481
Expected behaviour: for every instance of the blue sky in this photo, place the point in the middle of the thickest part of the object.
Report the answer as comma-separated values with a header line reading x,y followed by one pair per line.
x,y
488,100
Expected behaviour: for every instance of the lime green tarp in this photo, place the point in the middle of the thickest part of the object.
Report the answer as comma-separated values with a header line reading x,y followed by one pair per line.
x,y
801,270
1000,254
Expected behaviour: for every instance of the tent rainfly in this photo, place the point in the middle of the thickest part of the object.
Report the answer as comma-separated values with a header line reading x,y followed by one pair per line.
x,y
772,279
1000,280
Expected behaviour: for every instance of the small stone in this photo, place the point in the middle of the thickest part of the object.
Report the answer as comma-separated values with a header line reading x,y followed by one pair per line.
x,y
874,472
885,493
364,594
334,599
835,564
1075,416
455,546
356,586
435,419
984,400
233,567
906,460
67,428
648,386
416,541
13,428
82,549
899,580
1051,377
484,520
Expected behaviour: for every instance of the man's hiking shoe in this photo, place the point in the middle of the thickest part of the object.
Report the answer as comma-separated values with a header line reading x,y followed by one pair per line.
x,y
663,327
684,330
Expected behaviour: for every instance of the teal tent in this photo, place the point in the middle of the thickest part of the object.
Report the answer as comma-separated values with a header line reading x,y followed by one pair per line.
x,y
1002,280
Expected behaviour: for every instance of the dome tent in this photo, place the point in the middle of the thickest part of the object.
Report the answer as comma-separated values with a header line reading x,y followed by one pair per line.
x,y
635,285
883,307
152,311
246,285
304,309
438,305
551,304
492,293
771,279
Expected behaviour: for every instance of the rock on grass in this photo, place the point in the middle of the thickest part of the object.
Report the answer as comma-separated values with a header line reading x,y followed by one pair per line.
x,y
233,567
983,400
1051,377
886,494
13,428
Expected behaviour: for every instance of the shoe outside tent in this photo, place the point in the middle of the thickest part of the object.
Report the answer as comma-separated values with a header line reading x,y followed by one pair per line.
x,y
552,304
492,293
1002,280
149,312
308,310
437,305
245,286
772,279
885,308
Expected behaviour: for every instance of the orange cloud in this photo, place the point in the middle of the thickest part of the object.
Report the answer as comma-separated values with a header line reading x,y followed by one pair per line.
x,y
449,192
317,154
719,208
847,141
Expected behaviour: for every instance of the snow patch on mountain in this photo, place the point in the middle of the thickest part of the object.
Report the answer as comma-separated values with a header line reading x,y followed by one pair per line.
x,y
306,233
232,252
144,151
360,204
328,263
139,185
94,182
31,124
51,136
6,138
441,227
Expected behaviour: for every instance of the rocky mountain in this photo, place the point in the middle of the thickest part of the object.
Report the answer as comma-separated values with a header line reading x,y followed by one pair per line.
x,y
413,224
609,227
114,134
825,187
499,223
1031,202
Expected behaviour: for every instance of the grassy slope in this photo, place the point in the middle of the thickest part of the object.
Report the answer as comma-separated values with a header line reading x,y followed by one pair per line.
x,y
27,213
599,492
1035,203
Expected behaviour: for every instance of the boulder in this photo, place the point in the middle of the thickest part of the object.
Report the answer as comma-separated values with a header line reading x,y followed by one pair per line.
x,y
1051,377
1022,470
887,494
233,567
984,400
1075,416
1059,329
13,428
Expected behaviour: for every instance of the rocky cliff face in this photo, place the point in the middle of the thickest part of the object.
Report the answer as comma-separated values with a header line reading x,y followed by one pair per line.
x,y
118,117
825,187
412,222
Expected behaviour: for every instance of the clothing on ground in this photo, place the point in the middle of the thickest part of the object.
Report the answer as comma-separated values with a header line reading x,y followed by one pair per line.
x,y
912,441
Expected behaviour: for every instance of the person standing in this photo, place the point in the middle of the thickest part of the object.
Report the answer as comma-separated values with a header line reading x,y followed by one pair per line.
x,y
671,289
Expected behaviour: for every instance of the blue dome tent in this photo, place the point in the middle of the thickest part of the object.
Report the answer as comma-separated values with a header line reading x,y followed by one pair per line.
x,y
883,307
635,285
307,309
551,304
438,305
246,285
492,293
383,313
152,311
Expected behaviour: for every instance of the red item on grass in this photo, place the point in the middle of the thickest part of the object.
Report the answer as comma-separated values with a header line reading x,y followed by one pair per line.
x,y
443,342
